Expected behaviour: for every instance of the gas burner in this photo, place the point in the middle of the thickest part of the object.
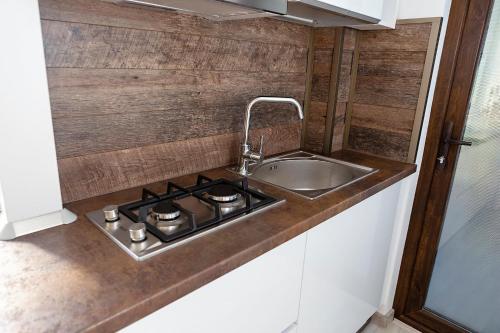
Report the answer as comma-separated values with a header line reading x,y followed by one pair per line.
x,y
222,193
170,226
165,211
167,217
227,207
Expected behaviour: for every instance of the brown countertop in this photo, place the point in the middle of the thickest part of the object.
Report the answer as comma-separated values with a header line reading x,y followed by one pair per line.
x,y
73,278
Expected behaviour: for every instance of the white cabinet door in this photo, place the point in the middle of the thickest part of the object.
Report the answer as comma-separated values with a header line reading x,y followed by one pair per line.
x,y
260,296
291,329
372,8
344,266
388,19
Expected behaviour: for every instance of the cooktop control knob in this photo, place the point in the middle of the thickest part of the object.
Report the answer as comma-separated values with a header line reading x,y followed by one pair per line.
x,y
137,232
111,213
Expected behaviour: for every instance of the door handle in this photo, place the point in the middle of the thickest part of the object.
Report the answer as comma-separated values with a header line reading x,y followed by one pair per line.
x,y
459,142
446,141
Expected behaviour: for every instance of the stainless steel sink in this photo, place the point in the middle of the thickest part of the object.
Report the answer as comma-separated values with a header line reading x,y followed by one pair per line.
x,y
307,174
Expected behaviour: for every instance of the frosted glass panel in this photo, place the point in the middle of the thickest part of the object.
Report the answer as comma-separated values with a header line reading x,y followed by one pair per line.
x,y
465,283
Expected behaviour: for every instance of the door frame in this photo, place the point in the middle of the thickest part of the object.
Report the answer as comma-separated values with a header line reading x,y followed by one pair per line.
x,y
465,33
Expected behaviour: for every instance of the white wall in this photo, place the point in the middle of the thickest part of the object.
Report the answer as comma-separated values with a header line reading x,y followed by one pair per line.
x,y
409,9
3,217
409,184
406,9
28,169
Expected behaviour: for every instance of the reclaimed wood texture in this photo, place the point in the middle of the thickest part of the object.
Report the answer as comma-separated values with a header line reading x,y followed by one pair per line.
x,y
128,83
96,111
323,44
344,88
330,78
108,14
389,77
92,46
122,169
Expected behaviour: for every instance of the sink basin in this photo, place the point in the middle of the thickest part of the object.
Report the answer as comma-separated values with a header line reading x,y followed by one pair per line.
x,y
307,174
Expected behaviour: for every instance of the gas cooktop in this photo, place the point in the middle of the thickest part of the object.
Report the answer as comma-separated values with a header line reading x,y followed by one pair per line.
x,y
158,222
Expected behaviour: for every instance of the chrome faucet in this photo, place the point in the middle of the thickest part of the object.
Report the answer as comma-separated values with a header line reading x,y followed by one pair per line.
x,y
247,155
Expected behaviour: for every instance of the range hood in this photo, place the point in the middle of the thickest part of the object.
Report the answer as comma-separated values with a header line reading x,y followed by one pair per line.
x,y
309,12
217,10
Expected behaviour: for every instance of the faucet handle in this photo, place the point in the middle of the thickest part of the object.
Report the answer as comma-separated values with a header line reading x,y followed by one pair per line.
x,y
261,147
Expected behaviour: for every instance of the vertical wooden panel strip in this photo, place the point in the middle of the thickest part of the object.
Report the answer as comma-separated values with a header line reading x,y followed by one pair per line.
x,y
307,95
352,92
323,44
424,88
333,93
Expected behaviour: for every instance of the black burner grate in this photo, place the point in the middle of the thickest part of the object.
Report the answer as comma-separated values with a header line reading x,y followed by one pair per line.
x,y
203,185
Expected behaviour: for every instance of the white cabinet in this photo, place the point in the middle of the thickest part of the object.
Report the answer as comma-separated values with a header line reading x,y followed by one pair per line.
x,y
371,8
335,271
344,266
394,10
388,18
331,13
28,164
260,296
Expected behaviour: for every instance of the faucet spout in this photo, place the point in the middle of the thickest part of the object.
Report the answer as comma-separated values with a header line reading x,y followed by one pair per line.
x,y
250,105
246,154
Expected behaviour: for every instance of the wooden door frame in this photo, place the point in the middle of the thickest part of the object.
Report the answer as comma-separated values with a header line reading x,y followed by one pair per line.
x,y
461,52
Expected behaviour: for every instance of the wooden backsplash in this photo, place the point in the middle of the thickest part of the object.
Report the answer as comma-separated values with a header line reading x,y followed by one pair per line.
x,y
333,53
368,88
323,47
346,79
139,96
388,101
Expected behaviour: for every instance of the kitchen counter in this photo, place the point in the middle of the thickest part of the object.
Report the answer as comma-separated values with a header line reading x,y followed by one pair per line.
x,y
73,278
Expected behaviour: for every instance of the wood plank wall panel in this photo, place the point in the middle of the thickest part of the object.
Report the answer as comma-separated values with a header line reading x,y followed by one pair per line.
x,y
389,78
86,92
323,44
107,14
79,45
321,90
96,174
98,110
125,80
344,88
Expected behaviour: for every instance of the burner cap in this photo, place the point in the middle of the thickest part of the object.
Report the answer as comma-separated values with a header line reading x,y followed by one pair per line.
x,y
222,193
166,211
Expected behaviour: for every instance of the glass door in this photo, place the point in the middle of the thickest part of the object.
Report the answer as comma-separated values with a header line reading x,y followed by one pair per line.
x,y
465,282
